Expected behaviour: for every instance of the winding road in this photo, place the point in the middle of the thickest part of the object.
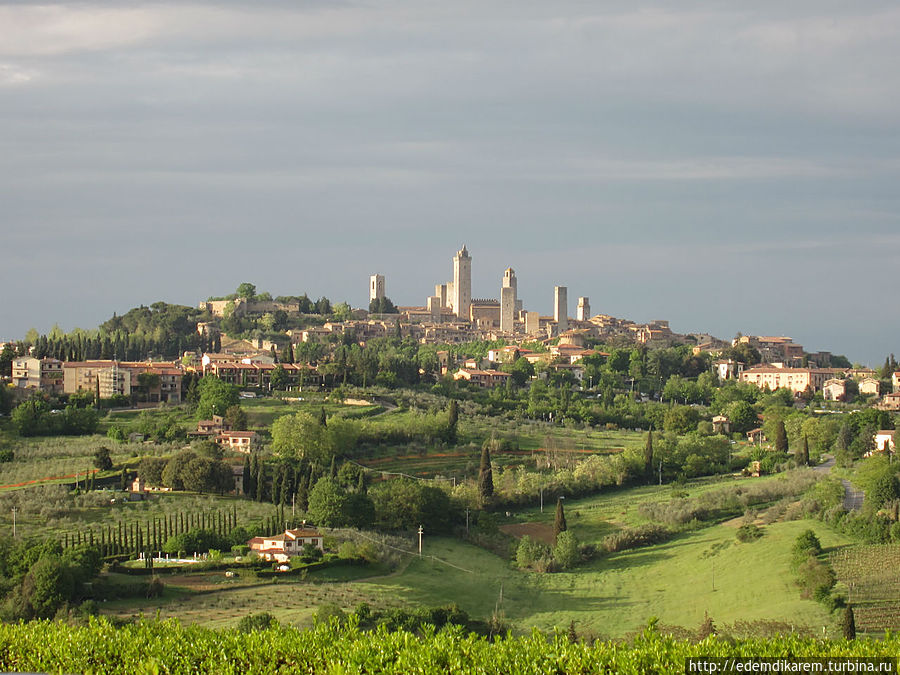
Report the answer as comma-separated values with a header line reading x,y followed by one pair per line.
x,y
853,498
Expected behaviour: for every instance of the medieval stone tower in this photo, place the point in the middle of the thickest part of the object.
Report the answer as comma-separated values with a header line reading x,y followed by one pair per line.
x,y
508,300
376,287
461,298
561,308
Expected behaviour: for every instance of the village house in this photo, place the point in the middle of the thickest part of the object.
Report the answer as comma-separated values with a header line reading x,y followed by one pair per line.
x,y
283,547
891,401
721,424
216,425
45,375
884,441
239,441
870,386
834,390
482,378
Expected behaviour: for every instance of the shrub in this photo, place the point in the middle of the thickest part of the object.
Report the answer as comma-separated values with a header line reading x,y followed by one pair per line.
x,y
748,532
633,537
254,622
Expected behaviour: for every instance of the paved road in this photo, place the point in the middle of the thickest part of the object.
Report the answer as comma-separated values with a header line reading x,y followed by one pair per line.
x,y
853,498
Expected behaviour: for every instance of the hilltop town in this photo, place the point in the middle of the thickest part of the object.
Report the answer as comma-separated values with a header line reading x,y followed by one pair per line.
x,y
451,316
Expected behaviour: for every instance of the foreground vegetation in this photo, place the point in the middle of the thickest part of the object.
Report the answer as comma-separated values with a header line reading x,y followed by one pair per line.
x,y
154,647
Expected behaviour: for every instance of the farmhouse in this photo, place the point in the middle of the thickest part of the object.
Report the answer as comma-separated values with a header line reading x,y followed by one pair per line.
x,y
283,547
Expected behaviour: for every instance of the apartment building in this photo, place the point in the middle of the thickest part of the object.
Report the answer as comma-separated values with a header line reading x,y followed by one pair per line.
x,y
44,375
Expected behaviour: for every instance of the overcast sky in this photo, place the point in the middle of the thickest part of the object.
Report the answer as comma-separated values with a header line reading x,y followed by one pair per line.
x,y
729,166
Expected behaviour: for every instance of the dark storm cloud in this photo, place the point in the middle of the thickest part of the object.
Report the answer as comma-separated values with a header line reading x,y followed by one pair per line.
x,y
729,166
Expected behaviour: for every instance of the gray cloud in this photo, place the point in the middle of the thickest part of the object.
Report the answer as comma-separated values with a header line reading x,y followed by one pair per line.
x,y
729,166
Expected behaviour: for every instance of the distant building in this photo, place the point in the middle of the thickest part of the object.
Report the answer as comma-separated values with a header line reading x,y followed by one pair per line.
x,y
376,287
561,308
483,378
508,301
583,310
728,369
461,296
239,441
870,386
797,380
834,390
283,547
44,375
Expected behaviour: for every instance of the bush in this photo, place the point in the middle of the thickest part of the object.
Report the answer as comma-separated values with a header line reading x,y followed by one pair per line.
x,y
254,622
328,611
633,537
565,553
748,532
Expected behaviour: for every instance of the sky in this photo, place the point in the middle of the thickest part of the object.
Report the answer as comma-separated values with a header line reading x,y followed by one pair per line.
x,y
728,166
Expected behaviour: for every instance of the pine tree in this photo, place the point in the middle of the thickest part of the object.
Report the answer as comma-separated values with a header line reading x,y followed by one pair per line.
x,y
848,623
485,473
559,524
648,456
781,443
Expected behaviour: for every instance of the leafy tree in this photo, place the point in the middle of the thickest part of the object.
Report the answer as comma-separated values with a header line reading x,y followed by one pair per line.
x,y
236,418
150,469
565,552
681,419
246,290
173,474
402,503
279,379
742,415
329,504
216,396
382,306
559,523
247,476
28,417
102,460
47,586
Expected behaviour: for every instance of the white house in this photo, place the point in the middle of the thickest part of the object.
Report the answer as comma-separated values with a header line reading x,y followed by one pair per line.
x,y
282,547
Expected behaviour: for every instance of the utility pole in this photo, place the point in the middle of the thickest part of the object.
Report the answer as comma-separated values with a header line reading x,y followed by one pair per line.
x,y
467,521
542,500
14,509
660,472
420,541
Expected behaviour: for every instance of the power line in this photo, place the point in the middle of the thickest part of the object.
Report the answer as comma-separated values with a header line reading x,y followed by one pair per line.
x,y
413,553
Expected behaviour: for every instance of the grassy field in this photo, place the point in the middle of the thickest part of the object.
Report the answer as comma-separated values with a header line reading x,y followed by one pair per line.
x,y
679,581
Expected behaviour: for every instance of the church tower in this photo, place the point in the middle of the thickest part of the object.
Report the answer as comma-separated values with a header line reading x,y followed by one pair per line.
x,y
461,298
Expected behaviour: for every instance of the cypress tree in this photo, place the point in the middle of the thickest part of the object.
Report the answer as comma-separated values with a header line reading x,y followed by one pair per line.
x,y
333,470
485,473
848,623
260,481
648,456
361,484
452,420
803,455
276,486
323,419
781,443
245,481
303,493
559,524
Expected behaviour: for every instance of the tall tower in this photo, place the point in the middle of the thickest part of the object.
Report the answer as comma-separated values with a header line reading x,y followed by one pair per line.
x,y
376,287
461,298
561,308
508,301
583,311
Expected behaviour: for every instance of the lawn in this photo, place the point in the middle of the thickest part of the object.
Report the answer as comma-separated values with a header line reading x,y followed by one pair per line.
x,y
678,581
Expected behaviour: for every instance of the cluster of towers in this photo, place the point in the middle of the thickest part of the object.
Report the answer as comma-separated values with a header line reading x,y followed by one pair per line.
x,y
456,295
